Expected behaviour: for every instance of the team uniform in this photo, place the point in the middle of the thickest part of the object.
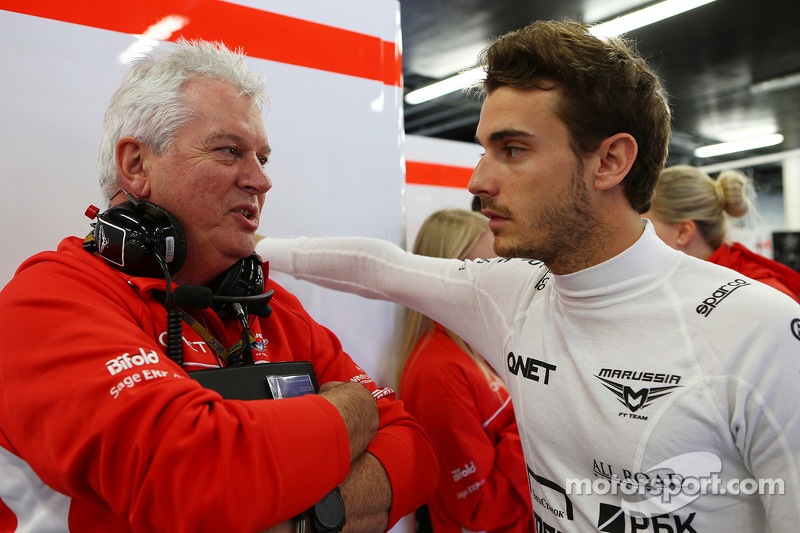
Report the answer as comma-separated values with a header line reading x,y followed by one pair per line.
x,y
88,399
470,421
635,382
758,267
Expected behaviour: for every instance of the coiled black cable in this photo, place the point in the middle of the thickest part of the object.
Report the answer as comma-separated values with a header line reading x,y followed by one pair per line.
x,y
174,348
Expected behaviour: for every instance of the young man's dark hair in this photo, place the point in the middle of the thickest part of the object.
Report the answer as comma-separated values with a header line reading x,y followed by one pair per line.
x,y
605,88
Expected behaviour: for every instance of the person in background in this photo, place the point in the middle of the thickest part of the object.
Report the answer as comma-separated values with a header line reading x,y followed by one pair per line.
x,y
461,402
691,212
653,391
102,428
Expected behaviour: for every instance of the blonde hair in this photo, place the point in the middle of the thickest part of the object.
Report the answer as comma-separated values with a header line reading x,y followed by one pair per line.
x,y
687,193
448,233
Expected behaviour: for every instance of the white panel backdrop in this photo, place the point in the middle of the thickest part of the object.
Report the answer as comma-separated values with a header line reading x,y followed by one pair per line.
x,y
422,200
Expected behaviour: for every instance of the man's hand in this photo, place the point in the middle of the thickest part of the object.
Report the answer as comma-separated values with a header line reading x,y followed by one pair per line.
x,y
358,409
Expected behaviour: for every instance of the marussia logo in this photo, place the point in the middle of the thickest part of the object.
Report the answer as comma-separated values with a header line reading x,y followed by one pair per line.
x,y
103,240
636,399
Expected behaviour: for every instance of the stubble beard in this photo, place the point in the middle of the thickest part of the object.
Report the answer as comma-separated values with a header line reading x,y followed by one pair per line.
x,y
562,234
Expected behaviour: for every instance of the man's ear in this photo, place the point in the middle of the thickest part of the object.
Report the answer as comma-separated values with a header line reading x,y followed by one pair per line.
x,y
614,159
132,166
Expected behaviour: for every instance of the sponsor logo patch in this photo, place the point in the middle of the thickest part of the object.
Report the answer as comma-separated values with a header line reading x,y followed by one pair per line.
x,y
612,519
532,369
461,473
633,397
127,361
718,296
551,496
796,328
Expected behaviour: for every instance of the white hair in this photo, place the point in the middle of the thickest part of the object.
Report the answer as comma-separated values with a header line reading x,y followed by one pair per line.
x,y
150,105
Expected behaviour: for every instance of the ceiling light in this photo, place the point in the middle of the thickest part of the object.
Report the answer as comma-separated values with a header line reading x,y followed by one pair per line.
x,y
643,17
775,84
160,31
617,26
739,146
440,88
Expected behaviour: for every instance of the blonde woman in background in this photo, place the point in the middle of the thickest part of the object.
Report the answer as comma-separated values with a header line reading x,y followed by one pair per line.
x,y
690,213
462,404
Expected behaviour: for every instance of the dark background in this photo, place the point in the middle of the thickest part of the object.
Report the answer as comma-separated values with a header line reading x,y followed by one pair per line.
x,y
708,59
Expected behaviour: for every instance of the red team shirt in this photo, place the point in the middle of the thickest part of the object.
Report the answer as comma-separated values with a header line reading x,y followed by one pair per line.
x,y
758,267
89,398
483,483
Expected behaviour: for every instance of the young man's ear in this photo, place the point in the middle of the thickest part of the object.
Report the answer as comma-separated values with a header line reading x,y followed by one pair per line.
x,y
614,159
132,166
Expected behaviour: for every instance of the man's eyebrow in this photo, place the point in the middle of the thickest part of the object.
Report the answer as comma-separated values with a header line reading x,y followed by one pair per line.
x,y
504,134
223,136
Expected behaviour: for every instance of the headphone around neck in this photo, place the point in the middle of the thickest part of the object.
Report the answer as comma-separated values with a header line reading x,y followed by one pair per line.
x,y
143,239
135,236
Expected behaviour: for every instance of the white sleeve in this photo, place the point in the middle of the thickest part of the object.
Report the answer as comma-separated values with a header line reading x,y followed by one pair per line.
x,y
450,291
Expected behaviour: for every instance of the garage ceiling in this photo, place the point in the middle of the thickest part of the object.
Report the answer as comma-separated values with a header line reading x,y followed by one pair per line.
x,y
709,60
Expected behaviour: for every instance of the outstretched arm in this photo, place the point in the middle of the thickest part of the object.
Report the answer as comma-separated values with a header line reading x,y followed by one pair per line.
x,y
378,269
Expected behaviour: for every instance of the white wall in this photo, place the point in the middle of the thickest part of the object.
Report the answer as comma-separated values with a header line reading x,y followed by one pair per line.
x,y
423,199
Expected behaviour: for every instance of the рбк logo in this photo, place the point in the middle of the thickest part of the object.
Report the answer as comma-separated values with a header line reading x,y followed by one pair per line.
x,y
612,519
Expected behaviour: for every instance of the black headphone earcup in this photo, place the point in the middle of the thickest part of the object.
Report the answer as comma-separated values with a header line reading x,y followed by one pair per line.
x,y
168,226
243,278
129,236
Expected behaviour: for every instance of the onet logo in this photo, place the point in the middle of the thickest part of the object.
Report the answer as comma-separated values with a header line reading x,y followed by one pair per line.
x,y
636,399
530,368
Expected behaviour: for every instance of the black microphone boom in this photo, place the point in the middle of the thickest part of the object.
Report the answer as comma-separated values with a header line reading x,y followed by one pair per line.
x,y
193,297
196,297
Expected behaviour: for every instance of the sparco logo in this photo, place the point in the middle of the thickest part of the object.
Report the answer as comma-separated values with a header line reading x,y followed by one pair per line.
x,y
637,399
716,298
126,361
612,519
530,368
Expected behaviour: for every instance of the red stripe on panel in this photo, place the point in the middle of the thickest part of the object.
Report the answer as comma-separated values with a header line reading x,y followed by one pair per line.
x,y
435,174
261,34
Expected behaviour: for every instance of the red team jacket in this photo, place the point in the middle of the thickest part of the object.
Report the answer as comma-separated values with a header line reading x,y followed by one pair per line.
x,y
89,399
758,267
483,484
